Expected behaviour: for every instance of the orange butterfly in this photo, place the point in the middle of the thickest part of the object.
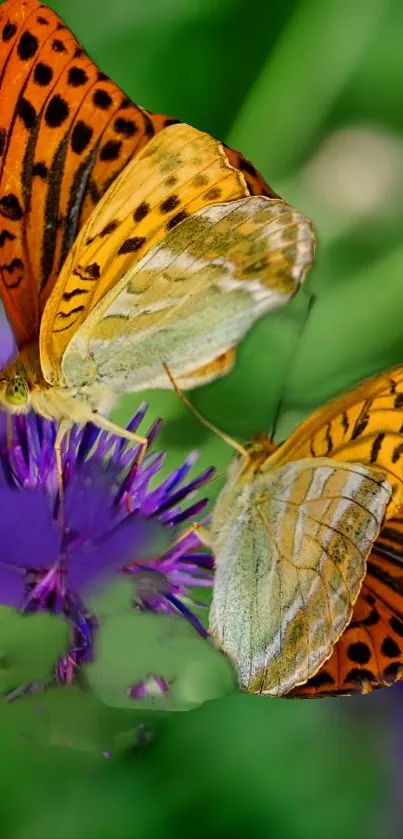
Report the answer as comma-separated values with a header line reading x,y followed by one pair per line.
x,y
127,239
308,543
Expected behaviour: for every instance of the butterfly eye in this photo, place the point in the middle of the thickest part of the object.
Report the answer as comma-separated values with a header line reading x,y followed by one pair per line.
x,y
17,392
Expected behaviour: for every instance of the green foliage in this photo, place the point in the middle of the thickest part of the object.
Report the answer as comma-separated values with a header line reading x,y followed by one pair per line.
x,y
29,647
134,646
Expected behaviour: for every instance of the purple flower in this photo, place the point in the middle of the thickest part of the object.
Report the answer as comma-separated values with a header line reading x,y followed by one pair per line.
x,y
112,522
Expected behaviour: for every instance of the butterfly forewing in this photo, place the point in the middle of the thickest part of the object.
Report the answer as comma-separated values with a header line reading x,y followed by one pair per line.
x,y
291,549
172,178
363,426
66,131
193,296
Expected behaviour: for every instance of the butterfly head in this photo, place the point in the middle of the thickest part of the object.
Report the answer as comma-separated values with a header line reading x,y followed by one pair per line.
x,y
16,393
258,450
17,383
15,390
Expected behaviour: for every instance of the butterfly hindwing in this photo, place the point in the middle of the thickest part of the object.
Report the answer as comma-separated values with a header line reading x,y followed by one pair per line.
x,y
369,654
291,549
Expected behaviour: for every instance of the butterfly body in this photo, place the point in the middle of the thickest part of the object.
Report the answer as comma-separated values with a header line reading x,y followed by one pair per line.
x,y
23,388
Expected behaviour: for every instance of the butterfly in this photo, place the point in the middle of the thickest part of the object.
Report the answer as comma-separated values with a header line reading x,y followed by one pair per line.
x,y
127,238
308,544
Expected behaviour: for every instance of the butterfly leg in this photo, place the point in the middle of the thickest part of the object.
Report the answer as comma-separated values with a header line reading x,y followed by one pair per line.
x,y
62,429
201,532
107,425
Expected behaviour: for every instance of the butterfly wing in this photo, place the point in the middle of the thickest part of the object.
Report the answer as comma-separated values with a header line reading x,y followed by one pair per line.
x,y
364,425
369,654
66,131
291,549
162,272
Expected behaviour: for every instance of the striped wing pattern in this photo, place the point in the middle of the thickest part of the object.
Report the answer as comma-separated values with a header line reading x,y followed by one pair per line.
x,y
66,132
362,426
291,550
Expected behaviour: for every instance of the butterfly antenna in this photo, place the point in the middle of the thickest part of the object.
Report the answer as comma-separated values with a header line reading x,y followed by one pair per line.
x,y
312,301
221,434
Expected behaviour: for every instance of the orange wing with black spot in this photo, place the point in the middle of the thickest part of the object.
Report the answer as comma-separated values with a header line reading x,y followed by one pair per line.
x,y
66,131
369,654
364,425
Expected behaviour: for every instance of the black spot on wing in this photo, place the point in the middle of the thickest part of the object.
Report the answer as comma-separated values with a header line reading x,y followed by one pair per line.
x,y
396,625
8,31
392,671
111,150
359,652
132,245
102,99
390,648
58,46
27,112
321,679
376,447
358,675
213,194
360,425
76,292
126,127
27,46
40,170
15,269
397,453
43,74
81,136
77,77
6,236
169,204
88,272
56,112
75,311
109,228
141,211
10,207
176,219
329,440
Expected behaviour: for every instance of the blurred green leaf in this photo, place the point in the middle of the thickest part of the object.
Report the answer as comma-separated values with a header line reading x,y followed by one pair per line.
x,y
30,645
302,79
130,649
114,599
358,328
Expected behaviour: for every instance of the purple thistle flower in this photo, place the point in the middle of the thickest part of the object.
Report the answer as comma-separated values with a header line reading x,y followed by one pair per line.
x,y
112,522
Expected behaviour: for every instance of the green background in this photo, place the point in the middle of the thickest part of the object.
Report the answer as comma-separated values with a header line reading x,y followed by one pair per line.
x,y
312,92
